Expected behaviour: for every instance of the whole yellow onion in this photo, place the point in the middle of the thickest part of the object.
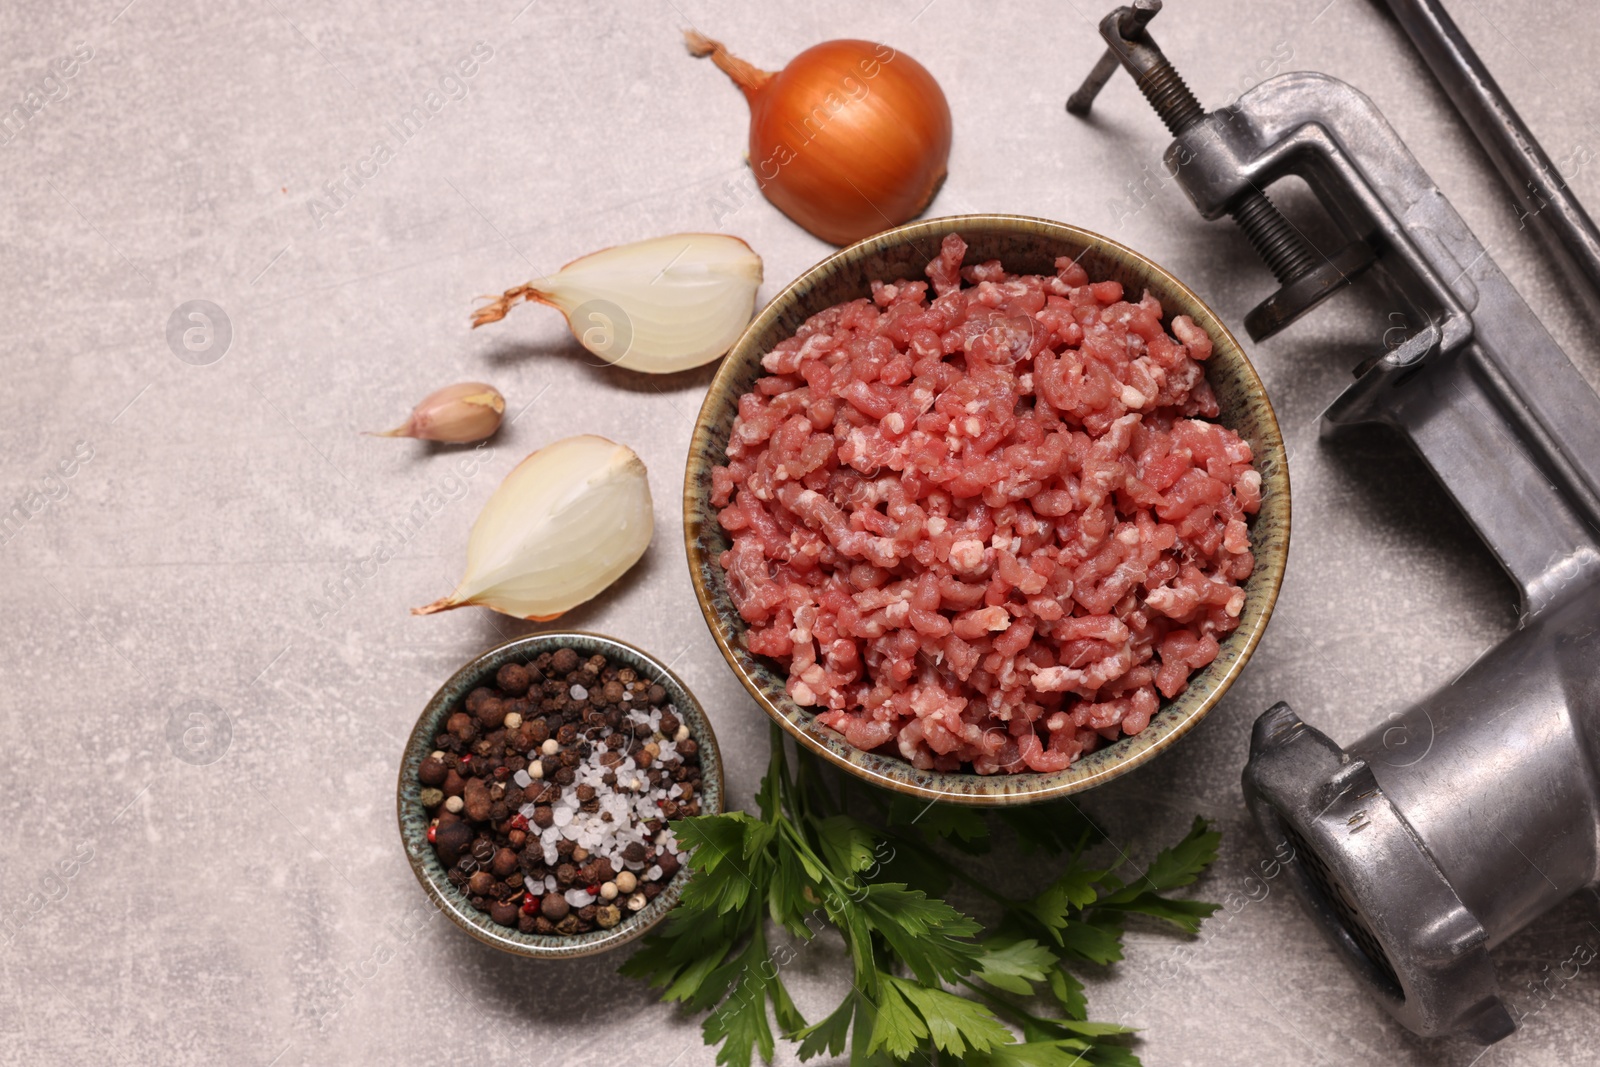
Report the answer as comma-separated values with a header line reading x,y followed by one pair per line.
x,y
849,139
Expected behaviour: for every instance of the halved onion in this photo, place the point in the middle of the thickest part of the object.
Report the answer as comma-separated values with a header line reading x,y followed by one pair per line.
x,y
564,525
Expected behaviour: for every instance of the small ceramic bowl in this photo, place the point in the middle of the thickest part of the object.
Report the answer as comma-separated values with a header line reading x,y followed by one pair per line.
x,y
1023,245
414,817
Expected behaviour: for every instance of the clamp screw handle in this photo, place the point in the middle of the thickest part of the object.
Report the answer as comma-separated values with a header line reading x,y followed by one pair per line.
x,y
1304,275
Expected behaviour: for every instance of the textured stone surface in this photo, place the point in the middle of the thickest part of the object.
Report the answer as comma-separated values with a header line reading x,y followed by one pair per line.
x,y
208,744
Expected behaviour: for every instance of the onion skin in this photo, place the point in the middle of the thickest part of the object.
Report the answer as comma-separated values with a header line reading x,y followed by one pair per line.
x,y
849,139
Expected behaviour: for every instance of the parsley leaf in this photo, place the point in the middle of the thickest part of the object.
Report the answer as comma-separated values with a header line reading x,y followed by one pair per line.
x,y
929,982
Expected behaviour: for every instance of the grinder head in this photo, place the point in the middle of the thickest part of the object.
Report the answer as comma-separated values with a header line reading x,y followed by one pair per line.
x,y
1375,891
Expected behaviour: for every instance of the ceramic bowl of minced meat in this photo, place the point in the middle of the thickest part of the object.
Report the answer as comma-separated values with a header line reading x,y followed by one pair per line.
x,y
987,509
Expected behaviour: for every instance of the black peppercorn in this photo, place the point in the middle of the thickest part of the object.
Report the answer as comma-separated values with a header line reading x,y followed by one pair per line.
x,y
513,678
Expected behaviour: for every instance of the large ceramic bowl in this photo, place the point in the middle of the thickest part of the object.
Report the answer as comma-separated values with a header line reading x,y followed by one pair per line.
x,y
1024,245
414,817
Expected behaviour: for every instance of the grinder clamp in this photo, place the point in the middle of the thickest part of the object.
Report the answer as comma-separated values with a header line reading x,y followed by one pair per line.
x,y
1434,838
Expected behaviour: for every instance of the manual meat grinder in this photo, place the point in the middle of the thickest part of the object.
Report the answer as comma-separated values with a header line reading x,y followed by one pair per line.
x,y
1418,860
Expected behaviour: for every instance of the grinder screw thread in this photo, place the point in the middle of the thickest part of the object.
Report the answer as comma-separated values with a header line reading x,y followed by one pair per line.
x,y
1274,238
1164,87
1276,241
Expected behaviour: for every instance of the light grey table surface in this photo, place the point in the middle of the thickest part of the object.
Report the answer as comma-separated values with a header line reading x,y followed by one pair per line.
x,y
257,908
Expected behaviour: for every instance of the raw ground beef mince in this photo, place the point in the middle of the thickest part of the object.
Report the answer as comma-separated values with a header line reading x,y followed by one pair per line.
x,y
990,530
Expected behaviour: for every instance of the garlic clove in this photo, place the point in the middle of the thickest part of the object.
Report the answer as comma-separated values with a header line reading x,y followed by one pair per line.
x,y
457,414
662,305
564,525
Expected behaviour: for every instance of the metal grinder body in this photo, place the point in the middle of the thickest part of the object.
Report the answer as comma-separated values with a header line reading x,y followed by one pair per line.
x,y
1441,833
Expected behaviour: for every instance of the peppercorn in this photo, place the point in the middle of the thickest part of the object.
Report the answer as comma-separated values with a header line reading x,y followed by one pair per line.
x,y
608,915
612,692
627,882
554,907
669,864
453,805
637,902
541,925
688,747
517,839
587,913
566,735
504,863
480,883
564,660
454,783
543,816
569,925
492,713
669,724
503,912
476,797
566,874
513,720
483,850
634,853
513,678
478,696
451,838
657,694
526,923
461,727
651,890
431,798
564,776
566,847
433,771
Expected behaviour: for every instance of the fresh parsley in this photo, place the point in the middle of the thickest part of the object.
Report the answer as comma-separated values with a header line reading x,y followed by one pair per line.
x,y
929,983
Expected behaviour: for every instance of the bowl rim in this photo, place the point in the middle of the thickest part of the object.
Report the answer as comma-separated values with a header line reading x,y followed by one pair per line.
x,y
991,790
420,856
